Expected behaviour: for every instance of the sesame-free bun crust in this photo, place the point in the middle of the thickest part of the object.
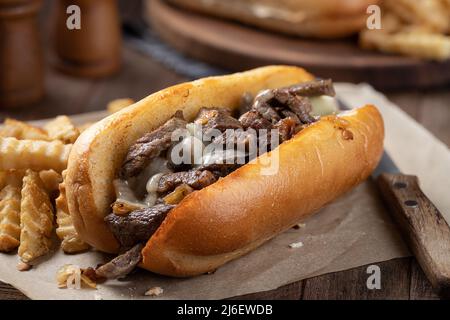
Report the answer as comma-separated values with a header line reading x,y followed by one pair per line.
x,y
246,208
307,18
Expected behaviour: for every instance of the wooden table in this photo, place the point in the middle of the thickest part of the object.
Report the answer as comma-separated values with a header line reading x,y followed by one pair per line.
x,y
401,278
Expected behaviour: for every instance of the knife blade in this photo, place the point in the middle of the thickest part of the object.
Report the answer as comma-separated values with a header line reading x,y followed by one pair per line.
x,y
422,226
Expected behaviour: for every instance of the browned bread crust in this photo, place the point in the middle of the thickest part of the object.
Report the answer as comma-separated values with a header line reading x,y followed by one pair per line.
x,y
241,211
309,18
98,153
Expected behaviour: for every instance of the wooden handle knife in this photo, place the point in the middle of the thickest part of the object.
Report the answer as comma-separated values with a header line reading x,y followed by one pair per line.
x,y
422,225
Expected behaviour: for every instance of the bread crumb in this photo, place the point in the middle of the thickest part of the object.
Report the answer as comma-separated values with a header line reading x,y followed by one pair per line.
x,y
23,266
296,245
154,292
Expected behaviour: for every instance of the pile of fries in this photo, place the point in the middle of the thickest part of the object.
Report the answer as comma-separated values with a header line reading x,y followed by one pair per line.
x,y
32,191
418,28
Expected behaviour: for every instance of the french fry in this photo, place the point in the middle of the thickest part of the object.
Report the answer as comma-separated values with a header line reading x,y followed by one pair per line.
x,y
11,177
62,128
9,218
36,218
413,43
31,154
21,130
51,180
119,104
391,23
429,13
10,197
71,242
414,28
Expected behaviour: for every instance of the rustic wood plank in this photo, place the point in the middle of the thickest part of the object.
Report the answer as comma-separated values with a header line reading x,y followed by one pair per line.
x,y
351,284
141,76
240,47
420,288
435,113
408,101
74,95
292,291
428,107
422,225
8,292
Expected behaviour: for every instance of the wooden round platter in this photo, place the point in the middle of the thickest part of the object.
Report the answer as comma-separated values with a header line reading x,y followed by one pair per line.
x,y
238,47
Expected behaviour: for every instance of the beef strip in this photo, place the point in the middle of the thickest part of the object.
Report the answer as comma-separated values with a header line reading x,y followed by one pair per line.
x,y
229,139
312,88
271,103
252,119
266,110
219,169
150,146
300,106
292,115
219,119
121,265
286,128
138,225
196,179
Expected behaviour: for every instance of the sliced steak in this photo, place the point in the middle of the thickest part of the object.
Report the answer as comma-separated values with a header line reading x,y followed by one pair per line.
x,y
301,106
229,139
286,128
219,169
150,146
262,105
219,119
252,119
121,265
196,179
292,115
312,88
138,226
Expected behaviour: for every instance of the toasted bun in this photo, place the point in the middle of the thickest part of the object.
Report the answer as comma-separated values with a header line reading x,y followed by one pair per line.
x,y
309,18
98,153
241,211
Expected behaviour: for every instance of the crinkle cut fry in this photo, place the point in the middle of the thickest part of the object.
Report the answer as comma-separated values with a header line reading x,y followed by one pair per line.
x,y
10,197
36,218
33,154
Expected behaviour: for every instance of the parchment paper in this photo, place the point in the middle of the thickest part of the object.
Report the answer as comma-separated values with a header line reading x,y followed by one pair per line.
x,y
355,230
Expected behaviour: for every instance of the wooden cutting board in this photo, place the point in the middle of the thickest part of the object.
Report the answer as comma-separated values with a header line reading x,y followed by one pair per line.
x,y
237,47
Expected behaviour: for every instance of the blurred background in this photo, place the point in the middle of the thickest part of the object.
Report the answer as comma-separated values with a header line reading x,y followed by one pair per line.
x,y
129,49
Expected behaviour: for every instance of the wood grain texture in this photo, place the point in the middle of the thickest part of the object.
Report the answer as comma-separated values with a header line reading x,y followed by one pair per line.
x,y
352,284
94,50
21,59
8,292
420,287
422,225
241,47
292,291
141,76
